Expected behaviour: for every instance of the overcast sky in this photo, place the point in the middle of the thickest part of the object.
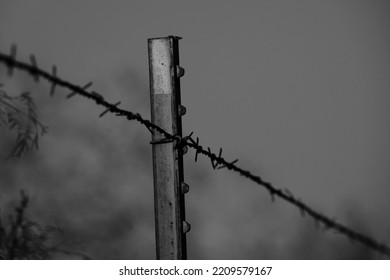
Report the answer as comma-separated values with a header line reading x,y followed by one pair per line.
x,y
297,90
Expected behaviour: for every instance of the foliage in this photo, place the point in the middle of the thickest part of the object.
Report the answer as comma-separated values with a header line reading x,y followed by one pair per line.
x,y
23,239
25,122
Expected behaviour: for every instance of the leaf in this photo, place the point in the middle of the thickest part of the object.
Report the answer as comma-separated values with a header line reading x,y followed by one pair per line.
x,y
25,122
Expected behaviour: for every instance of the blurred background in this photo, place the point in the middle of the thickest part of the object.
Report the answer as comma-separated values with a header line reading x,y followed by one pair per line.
x,y
297,90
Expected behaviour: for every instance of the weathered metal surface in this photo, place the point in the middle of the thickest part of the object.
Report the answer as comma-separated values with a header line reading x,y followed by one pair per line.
x,y
167,161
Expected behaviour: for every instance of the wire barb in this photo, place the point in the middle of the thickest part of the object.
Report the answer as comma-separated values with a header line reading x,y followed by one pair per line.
x,y
302,210
197,149
35,65
228,164
109,109
219,157
212,159
73,93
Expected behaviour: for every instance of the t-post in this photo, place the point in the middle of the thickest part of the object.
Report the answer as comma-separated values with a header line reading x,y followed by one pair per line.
x,y
166,111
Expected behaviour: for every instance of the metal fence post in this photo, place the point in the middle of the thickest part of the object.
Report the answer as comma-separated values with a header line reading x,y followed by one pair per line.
x,y
166,111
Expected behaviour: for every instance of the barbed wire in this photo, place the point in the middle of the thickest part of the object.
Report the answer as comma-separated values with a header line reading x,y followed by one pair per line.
x,y
217,161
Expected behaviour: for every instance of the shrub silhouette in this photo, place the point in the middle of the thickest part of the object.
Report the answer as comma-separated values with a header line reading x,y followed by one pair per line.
x,y
23,239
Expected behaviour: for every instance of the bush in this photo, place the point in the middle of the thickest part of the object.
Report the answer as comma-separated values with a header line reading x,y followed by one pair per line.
x,y
22,239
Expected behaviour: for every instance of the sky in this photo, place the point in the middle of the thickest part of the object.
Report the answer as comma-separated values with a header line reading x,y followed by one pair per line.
x,y
296,90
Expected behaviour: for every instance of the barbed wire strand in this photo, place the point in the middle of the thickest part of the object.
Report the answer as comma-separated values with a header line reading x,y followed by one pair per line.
x,y
218,162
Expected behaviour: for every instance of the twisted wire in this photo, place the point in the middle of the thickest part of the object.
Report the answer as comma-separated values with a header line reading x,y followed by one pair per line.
x,y
181,142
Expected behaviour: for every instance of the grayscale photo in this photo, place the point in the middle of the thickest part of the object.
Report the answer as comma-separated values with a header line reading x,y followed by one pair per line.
x,y
194,130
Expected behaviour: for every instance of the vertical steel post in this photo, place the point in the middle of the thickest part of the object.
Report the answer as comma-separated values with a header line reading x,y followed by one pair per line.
x,y
166,111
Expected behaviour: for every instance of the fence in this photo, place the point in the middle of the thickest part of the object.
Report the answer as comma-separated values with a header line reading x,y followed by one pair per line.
x,y
217,160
